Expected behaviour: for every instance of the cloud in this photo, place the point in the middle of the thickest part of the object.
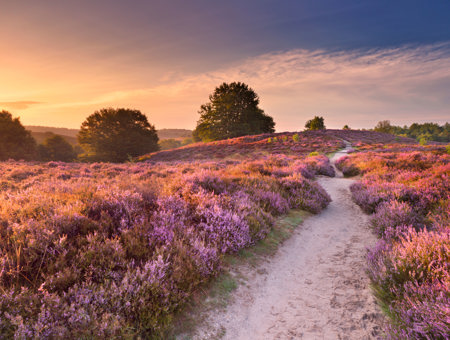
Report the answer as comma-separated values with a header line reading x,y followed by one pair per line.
x,y
358,88
19,105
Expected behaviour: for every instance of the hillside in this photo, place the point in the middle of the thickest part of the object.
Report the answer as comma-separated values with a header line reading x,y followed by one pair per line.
x,y
296,143
125,245
174,133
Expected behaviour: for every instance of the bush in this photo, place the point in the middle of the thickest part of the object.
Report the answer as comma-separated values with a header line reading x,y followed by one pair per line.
x,y
408,266
317,123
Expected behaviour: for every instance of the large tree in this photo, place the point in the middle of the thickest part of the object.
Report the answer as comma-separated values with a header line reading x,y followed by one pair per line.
x,y
232,112
15,141
115,135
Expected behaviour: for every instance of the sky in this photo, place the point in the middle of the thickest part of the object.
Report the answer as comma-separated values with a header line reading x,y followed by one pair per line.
x,y
352,62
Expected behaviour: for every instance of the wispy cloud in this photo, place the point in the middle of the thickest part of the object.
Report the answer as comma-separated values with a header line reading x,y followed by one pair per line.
x,y
357,87
19,105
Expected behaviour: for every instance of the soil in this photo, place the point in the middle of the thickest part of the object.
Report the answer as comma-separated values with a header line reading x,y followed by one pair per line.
x,y
315,287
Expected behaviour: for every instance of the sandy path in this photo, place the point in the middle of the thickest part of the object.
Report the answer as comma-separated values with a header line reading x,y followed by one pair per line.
x,y
315,287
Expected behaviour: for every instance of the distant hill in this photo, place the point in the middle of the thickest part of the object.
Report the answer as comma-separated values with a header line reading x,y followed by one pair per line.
x,y
38,133
55,130
303,143
41,136
174,133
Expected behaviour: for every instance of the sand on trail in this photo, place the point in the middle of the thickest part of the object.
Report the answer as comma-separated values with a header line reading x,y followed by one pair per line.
x,y
315,287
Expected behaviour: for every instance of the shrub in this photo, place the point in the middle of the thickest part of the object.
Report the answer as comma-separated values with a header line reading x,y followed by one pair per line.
x,y
409,266
317,123
393,214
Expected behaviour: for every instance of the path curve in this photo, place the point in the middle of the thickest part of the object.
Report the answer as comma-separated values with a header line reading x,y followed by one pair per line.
x,y
315,287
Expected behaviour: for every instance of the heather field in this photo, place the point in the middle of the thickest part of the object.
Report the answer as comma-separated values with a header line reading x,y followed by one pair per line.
x,y
286,143
107,250
406,191
113,250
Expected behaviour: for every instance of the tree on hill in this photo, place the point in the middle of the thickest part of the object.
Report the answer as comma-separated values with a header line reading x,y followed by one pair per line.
x,y
317,123
56,148
383,126
115,135
15,141
233,111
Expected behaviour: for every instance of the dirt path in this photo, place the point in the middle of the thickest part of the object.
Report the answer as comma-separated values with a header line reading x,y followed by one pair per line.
x,y
315,287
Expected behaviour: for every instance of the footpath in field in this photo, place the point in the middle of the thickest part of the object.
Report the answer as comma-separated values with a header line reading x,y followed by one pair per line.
x,y
315,287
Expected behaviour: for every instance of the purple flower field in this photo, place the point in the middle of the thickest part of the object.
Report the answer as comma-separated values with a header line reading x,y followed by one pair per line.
x,y
406,189
112,250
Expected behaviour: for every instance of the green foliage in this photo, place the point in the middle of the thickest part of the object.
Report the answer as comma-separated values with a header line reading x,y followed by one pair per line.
x,y
187,141
15,141
314,153
232,112
56,148
421,132
170,143
447,148
295,137
423,140
269,140
346,127
383,126
113,135
317,123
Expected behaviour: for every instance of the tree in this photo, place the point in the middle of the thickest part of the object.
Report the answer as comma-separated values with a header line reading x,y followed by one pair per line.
x,y
15,141
115,135
232,112
317,123
346,127
383,126
56,148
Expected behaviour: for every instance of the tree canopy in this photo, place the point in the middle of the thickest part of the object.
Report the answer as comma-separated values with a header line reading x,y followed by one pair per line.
x,y
15,141
422,132
56,148
317,123
115,135
232,111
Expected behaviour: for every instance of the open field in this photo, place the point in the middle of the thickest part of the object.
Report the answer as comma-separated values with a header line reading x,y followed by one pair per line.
x,y
114,250
101,250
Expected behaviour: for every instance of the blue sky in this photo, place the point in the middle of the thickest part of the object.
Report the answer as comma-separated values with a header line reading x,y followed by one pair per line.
x,y
68,58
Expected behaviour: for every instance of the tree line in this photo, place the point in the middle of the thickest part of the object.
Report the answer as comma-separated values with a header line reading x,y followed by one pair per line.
x,y
121,134
423,133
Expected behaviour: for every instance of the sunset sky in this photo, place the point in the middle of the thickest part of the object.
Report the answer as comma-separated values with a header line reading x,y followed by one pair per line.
x,y
352,62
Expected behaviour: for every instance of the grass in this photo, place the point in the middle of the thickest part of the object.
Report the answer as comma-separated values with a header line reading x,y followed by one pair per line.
x,y
216,295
